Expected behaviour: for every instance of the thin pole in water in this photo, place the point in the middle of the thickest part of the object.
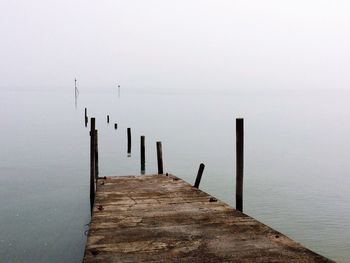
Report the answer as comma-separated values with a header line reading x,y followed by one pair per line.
x,y
239,163
76,93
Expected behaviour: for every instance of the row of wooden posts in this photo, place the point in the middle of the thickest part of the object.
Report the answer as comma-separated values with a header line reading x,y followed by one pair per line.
x,y
87,120
94,169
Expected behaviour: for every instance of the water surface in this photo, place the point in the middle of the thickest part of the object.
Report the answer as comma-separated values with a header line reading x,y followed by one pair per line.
x,y
297,147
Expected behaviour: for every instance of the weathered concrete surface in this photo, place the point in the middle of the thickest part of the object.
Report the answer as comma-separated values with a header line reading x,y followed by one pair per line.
x,y
158,218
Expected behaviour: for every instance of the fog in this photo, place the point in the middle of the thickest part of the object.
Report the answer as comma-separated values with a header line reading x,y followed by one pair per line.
x,y
243,44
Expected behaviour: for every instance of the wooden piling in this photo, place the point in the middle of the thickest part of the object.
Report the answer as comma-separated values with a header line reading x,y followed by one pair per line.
x,y
239,163
92,163
107,118
159,157
96,155
115,126
129,140
143,154
199,175
86,117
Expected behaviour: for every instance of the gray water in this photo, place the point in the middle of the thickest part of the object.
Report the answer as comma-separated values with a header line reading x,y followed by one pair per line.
x,y
297,149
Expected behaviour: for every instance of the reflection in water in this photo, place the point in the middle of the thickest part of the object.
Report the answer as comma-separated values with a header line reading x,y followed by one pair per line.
x,y
76,101
118,91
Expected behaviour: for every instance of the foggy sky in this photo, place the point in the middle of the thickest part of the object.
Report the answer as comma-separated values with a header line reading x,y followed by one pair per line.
x,y
249,44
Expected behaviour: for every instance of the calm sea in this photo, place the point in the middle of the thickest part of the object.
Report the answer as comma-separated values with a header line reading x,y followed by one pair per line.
x,y
297,160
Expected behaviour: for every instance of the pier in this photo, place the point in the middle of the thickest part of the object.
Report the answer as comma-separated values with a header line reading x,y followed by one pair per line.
x,y
160,218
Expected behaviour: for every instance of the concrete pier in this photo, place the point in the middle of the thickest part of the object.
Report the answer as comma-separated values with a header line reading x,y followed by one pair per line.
x,y
159,218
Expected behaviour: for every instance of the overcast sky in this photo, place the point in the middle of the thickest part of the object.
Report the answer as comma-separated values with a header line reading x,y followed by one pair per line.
x,y
180,43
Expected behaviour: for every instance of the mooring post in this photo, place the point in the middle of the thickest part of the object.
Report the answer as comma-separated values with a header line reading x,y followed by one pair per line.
x,y
129,140
239,163
107,118
160,157
96,155
86,117
92,163
143,154
115,126
199,175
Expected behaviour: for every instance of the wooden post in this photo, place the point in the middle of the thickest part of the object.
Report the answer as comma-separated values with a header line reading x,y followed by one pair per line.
x,y
86,117
107,118
199,175
143,154
160,157
92,163
115,126
239,163
129,140
96,155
